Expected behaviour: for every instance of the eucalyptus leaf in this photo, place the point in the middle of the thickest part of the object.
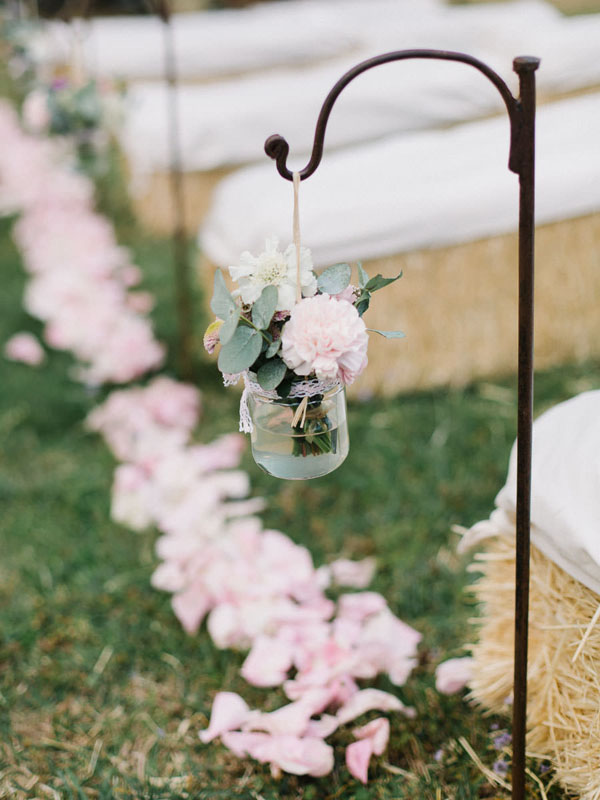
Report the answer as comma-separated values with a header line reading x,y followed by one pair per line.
x,y
378,282
285,387
229,325
388,334
273,348
363,277
362,307
363,302
241,351
334,279
271,373
264,308
222,302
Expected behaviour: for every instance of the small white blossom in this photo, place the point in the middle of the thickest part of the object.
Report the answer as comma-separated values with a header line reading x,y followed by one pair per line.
x,y
274,268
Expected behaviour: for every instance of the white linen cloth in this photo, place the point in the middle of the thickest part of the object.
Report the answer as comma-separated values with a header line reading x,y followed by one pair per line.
x,y
226,124
428,189
565,495
210,44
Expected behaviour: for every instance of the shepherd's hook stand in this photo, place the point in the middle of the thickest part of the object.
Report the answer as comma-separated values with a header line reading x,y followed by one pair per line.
x,y
181,256
521,112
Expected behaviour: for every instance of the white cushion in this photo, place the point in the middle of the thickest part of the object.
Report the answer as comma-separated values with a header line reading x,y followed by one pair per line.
x,y
565,497
429,189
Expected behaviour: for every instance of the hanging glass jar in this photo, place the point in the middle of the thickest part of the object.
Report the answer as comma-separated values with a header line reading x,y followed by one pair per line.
x,y
303,436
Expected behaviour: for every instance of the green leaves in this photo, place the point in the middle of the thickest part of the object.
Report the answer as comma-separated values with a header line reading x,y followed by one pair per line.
x,y
224,307
271,373
334,279
378,282
241,351
229,326
264,308
362,303
222,300
273,348
368,286
363,278
388,334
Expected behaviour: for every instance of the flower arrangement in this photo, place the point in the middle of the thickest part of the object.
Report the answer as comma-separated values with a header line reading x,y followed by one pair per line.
x,y
88,112
297,338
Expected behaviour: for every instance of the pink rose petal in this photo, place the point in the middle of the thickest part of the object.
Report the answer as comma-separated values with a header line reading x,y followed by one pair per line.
x,y
453,675
24,347
190,607
299,756
355,574
369,700
377,731
358,755
322,727
359,605
268,662
242,743
229,711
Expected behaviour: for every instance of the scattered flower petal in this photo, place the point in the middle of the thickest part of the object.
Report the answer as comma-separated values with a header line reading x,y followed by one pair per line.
x,y
453,675
24,347
229,712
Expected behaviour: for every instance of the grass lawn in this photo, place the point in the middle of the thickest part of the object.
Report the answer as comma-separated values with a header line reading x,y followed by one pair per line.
x,y
102,694
566,6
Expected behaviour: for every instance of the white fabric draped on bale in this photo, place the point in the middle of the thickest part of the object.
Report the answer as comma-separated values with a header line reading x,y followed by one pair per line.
x,y
225,124
565,497
211,44
430,189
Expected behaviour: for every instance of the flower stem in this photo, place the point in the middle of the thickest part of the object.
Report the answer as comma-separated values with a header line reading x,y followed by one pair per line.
x,y
250,324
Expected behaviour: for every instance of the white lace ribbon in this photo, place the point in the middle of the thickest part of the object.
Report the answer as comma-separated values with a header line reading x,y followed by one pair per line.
x,y
305,388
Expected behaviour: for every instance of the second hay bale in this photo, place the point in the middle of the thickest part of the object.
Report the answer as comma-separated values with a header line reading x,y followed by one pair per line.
x,y
563,712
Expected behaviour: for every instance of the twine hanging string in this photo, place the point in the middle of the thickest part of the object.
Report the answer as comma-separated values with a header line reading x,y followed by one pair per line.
x,y
300,415
296,182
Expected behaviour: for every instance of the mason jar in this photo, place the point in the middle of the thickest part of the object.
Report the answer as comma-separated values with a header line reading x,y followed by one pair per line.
x,y
299,443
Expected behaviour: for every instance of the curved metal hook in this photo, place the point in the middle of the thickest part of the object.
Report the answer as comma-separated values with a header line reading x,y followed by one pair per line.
x,y
277,148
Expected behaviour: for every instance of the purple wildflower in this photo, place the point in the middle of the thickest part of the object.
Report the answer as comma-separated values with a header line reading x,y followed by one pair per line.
x,y
500,767
502,740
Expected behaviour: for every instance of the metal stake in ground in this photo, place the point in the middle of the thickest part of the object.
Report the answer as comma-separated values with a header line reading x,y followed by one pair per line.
x,y
183,284
521,112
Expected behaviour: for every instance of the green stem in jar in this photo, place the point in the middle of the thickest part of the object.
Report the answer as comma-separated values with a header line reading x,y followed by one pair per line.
x,y
314,437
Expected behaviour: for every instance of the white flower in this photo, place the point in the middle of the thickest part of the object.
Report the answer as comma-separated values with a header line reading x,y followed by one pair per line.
x,y
274,268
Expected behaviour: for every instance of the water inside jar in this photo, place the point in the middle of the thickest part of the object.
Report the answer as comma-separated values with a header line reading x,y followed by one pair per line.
x,y
286,452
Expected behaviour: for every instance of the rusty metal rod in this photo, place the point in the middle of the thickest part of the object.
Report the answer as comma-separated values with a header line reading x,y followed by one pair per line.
x,y
521,160
525,67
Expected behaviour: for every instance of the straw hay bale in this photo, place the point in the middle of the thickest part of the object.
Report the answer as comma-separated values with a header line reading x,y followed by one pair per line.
x,y
458,308
563,712
150,194
152,201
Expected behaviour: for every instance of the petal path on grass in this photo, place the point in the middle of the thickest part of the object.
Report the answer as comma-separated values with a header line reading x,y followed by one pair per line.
x,y
257,589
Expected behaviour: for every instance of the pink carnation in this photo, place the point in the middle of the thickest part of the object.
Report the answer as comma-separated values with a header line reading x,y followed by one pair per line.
x,y
325,336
